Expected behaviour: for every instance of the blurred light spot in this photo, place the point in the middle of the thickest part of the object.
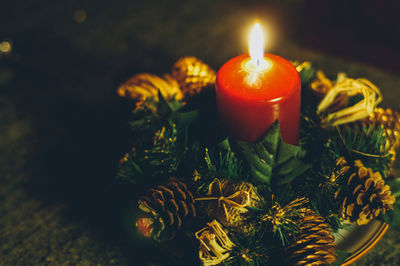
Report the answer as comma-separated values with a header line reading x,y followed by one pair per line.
x,y
80,15
5,47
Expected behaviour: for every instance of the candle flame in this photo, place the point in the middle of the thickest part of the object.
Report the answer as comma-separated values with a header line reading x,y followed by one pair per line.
x,y
256,46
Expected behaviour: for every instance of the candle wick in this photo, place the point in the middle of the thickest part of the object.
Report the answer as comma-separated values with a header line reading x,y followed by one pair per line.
x,y
258,62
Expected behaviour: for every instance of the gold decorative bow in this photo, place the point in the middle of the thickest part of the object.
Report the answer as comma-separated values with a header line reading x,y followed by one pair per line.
x,y
235,200
348,87
214,244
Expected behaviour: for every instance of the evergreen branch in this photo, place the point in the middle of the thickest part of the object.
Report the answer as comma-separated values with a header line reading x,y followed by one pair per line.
x,y
162,158
152,114
307,74
366,143
392,217
279,220
225,164
250,250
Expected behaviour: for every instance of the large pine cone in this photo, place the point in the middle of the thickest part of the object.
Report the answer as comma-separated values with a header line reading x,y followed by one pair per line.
x,y
368,195
315,243
169,205
192,75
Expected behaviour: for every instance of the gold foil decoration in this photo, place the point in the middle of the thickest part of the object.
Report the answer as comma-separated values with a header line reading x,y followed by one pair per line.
x,y
142,86
214,244
192,75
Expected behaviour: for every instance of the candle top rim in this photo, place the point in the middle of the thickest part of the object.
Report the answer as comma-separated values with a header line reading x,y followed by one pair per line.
x,y
273,85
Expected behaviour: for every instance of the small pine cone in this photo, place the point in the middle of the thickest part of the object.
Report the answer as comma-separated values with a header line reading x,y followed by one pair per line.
x,y
369,195
169,206
314,245
142,86
192,75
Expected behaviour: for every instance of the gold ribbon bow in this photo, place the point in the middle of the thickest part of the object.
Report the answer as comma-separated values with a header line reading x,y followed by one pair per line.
x,y
234,200
214,244
349,87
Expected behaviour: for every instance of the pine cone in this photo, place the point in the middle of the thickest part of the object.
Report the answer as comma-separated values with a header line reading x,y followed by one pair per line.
x,y
390,120
315,243
169,206
142,86
368,196
192,75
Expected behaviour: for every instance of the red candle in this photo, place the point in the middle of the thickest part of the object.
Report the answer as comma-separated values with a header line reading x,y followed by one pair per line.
x,y
254,91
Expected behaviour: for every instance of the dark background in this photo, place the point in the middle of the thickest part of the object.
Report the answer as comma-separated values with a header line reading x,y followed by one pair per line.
x,y
63,128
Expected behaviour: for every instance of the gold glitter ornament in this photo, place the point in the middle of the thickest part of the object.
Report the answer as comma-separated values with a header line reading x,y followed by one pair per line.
x,y
314,245
192,75
228,202
390,121
142,86
5,47
369,195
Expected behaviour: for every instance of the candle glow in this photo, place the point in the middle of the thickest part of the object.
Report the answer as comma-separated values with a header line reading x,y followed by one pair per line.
x,y
256,46
257,62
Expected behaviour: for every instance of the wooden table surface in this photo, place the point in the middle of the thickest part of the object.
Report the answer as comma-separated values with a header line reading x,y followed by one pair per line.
x,y
63,128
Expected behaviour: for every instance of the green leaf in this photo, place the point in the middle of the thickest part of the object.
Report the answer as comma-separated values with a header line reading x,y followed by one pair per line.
x,y
184,119
223,163
307,74
271,158
225,144
392,217
153,114
175,105
395,187
163,108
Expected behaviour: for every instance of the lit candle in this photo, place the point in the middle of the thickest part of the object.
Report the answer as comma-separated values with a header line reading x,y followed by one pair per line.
x,y
254,91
